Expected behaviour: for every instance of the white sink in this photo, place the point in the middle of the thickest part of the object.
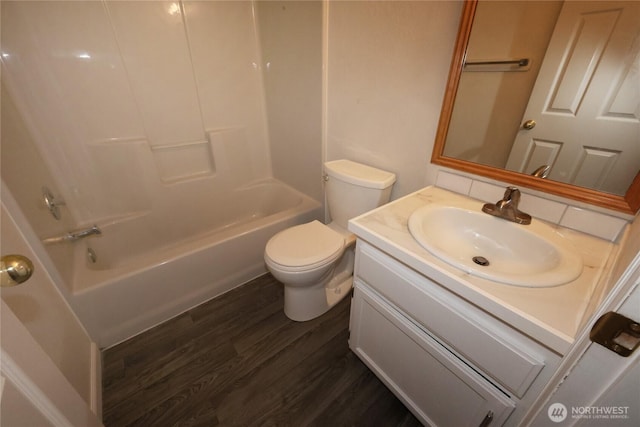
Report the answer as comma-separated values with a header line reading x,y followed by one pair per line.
x,y
532,255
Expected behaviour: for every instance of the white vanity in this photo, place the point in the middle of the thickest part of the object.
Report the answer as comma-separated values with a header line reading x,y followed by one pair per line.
x,y
457,349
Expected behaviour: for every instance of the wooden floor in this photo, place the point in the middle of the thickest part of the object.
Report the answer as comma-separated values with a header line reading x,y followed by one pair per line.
x,y
238,361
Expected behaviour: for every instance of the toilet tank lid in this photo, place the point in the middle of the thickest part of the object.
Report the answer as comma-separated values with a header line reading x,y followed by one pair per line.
x,y
359,174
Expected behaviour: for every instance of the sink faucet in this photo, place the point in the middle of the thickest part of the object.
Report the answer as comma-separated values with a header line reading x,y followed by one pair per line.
x,y
542,171
507,208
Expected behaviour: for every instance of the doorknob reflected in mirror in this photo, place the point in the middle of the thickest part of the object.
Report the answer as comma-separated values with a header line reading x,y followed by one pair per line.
x,y
14,270
529,124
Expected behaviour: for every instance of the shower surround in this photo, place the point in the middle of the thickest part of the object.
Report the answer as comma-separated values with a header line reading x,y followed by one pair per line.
x,y
154,110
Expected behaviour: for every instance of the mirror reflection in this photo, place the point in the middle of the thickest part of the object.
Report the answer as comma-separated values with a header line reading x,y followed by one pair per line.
x,y
552,88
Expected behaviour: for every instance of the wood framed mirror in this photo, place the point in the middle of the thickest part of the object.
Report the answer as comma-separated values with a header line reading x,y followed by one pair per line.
x,y
629,202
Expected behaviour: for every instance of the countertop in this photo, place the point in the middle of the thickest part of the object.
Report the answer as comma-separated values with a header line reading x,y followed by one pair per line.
x,y
552,316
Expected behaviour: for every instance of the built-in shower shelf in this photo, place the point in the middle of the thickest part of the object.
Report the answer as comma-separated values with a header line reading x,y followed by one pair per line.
x,y
184,161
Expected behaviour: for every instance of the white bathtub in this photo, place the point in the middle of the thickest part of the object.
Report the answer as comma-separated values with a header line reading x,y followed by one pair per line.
x,y
153,266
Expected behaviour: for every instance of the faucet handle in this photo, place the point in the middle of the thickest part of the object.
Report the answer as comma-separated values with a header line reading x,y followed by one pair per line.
x,y
512,194
507,208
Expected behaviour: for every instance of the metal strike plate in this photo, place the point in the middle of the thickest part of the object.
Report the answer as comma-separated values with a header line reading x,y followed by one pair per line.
x,y
617,333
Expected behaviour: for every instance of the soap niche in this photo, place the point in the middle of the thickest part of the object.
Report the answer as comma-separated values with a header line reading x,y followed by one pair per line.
x,y
184,161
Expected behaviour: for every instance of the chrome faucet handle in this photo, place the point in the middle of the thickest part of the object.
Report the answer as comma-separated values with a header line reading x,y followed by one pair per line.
x,y
75,235
542,171
72,236
50,202
512,194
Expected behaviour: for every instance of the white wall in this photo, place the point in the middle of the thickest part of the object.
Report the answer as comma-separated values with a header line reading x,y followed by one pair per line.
x,y
388,63
291,42
629,249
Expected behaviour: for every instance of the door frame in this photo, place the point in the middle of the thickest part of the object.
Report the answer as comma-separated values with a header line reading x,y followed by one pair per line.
x,y
26,365
627,285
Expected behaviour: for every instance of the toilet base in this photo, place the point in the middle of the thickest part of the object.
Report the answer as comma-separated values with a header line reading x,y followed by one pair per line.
x,y
302,304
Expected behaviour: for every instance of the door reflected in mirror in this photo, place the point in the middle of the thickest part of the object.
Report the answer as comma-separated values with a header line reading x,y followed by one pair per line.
x,y
547,85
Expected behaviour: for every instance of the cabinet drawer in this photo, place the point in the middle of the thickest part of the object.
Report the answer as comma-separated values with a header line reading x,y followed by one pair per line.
x,y
438,388
482,340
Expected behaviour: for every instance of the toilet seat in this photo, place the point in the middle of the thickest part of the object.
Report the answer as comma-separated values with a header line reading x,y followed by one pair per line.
x,y
305,247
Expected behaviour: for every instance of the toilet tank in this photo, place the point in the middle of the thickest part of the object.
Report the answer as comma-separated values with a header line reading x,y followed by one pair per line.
x,y
353,189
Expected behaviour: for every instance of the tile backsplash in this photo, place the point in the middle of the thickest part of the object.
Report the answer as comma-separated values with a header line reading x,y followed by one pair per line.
x,y
608,227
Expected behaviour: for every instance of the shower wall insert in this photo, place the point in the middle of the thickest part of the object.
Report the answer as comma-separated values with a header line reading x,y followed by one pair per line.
x,y
151,117
146,88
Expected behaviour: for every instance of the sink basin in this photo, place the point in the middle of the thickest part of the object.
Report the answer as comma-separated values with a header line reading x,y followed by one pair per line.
x,y
532,255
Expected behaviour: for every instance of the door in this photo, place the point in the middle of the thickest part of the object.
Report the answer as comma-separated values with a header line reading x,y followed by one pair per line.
x,y
435,385
586,100
34,390
600,387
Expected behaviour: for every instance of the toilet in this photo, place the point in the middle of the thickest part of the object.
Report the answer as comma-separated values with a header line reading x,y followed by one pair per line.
x,y
315,261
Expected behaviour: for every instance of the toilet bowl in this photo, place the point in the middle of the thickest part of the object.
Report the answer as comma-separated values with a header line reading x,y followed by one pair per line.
x,y
314,261
305,259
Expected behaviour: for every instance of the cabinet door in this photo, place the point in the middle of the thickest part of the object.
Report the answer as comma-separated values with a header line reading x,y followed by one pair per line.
x,y
500,352
438,387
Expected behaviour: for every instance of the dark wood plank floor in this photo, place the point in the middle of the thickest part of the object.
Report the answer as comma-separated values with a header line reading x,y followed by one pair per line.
x,y
238,361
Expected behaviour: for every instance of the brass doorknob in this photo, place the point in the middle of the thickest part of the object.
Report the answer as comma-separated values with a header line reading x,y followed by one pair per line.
x,y
529,124
15,269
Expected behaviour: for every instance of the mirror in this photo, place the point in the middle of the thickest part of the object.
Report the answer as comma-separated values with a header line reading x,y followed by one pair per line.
x,y
485,159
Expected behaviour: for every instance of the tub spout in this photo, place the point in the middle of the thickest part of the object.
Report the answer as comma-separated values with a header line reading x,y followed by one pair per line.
x,y
75,235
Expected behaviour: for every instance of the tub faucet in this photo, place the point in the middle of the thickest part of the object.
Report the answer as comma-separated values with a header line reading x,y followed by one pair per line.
x,y
75,235
507,208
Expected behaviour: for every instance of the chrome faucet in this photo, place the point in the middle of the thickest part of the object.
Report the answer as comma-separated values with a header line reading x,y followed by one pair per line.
x,y
507,208
75,235
542,171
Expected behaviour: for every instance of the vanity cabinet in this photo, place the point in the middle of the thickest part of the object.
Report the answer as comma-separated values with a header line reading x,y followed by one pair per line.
x,y
450,362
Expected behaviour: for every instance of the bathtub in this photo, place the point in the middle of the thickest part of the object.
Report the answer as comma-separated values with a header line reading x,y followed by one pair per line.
x,y
149,267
